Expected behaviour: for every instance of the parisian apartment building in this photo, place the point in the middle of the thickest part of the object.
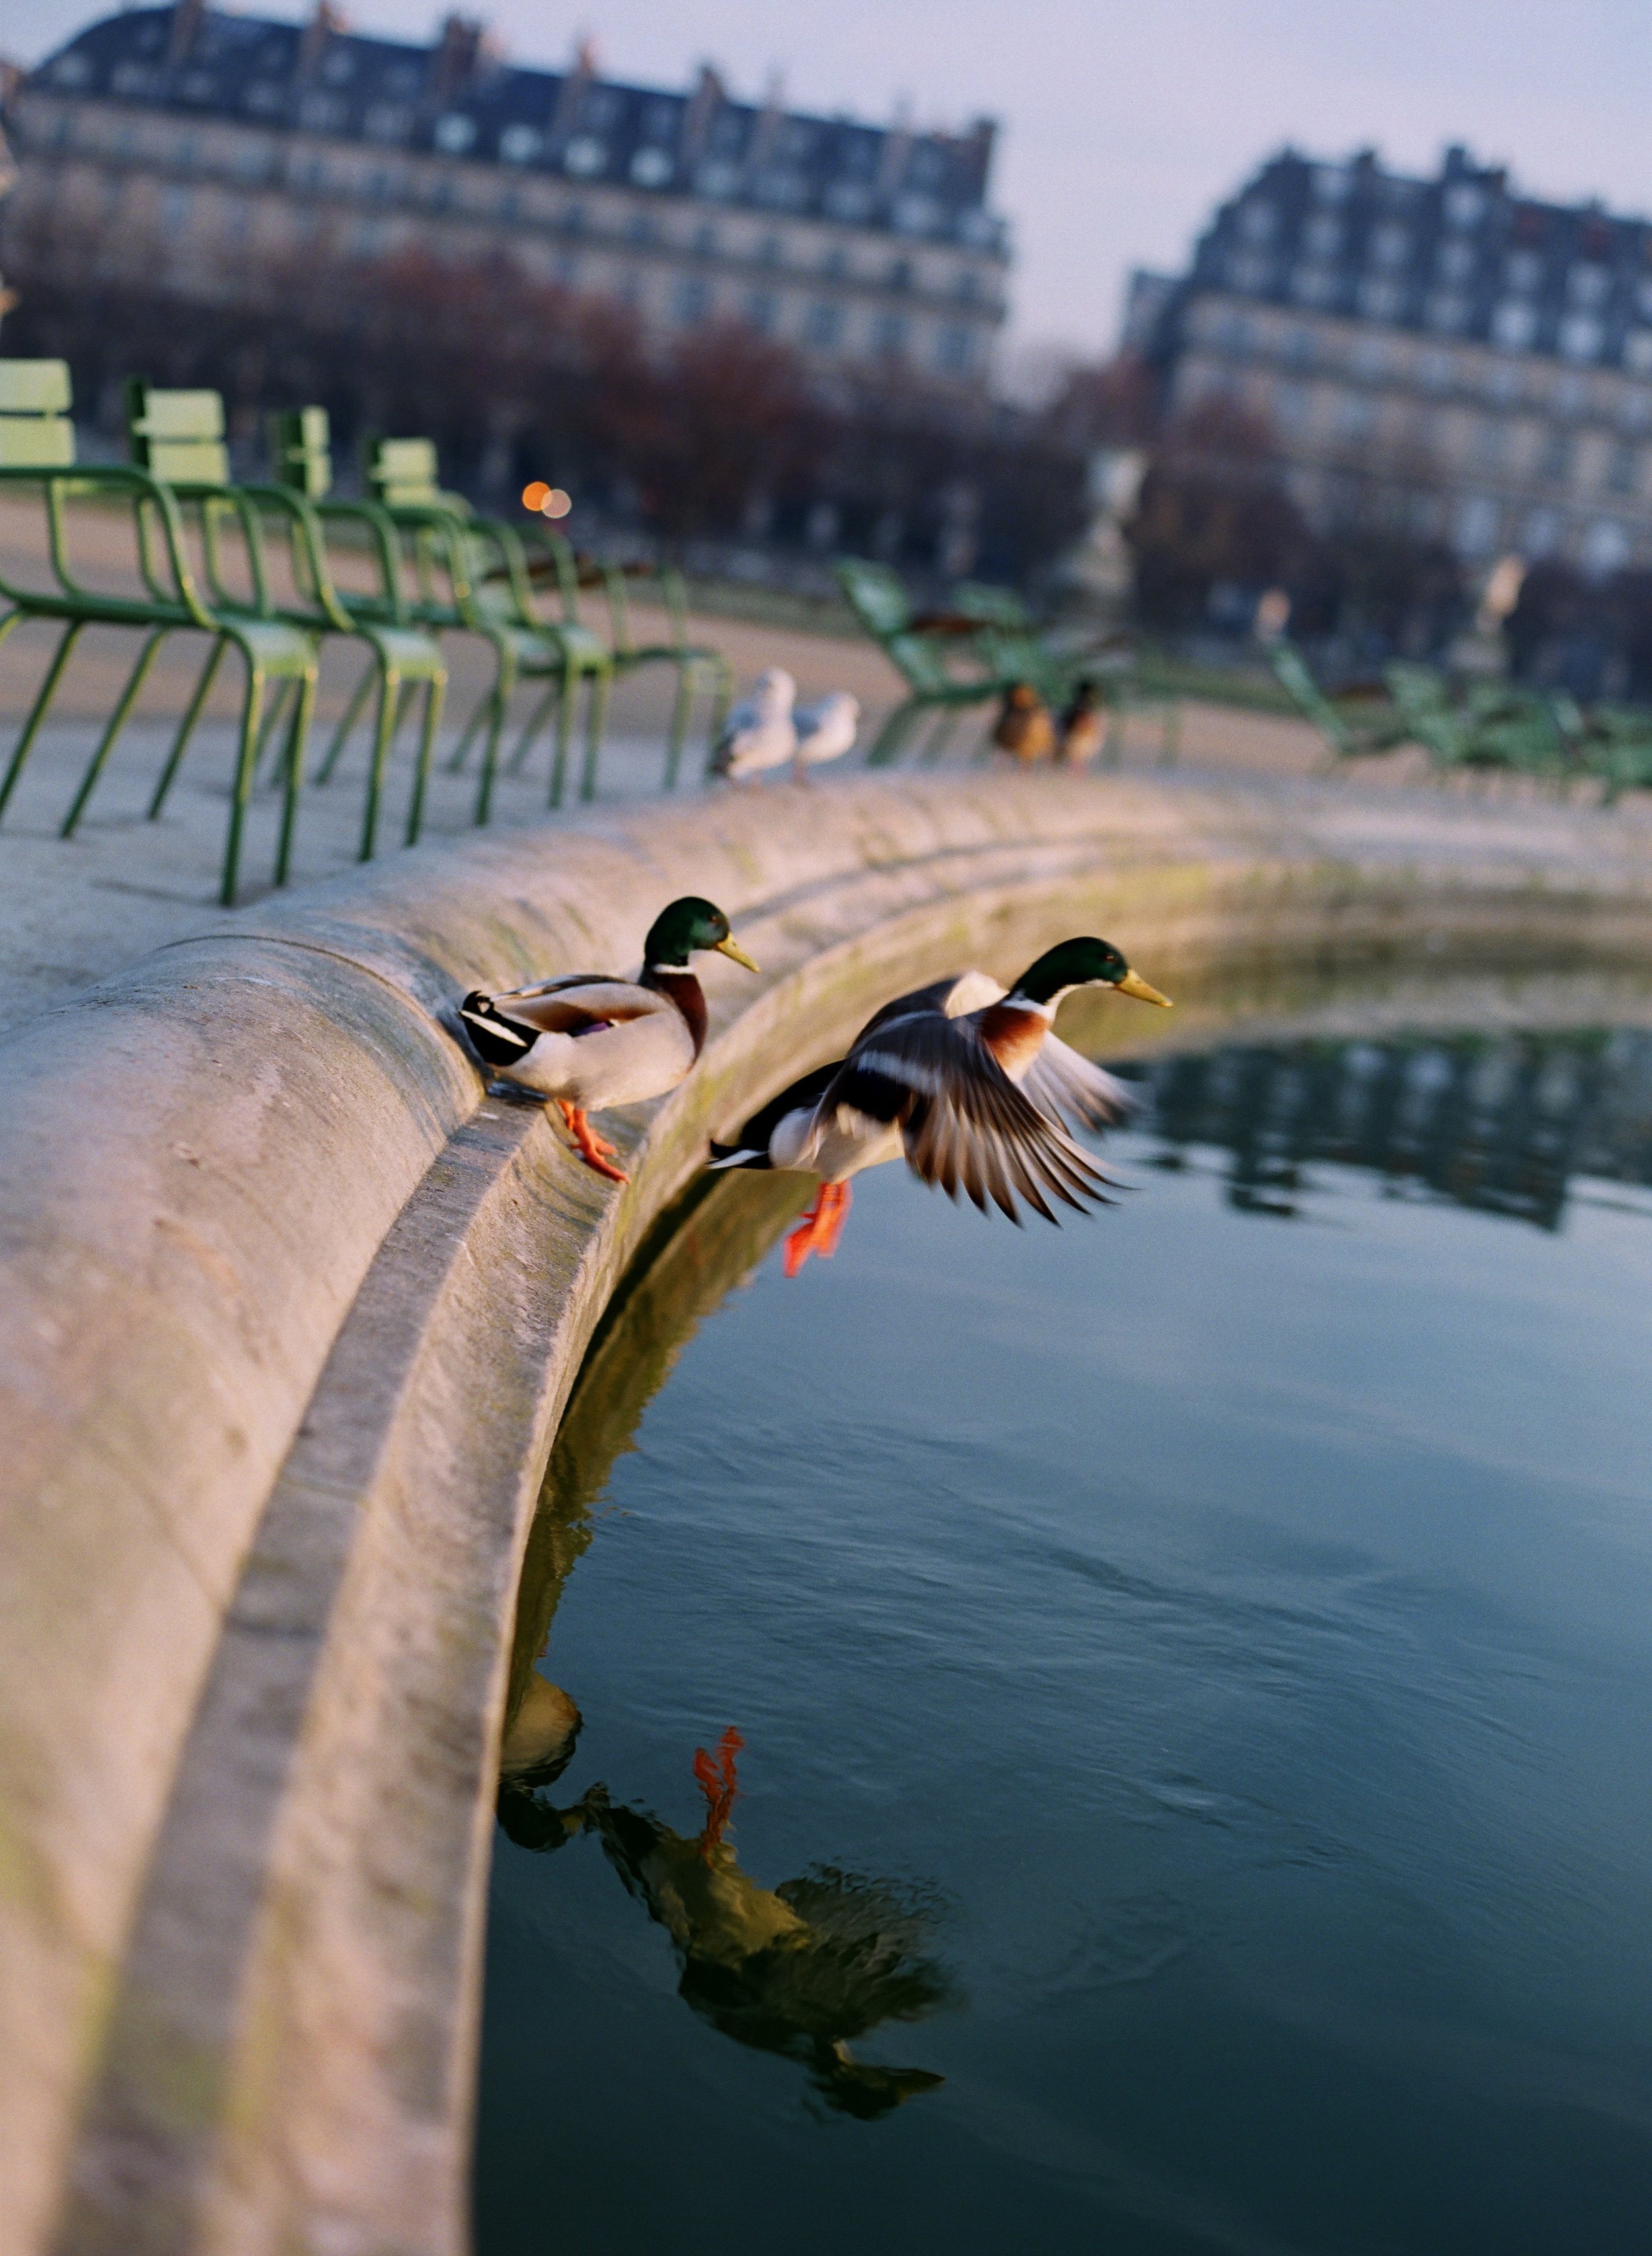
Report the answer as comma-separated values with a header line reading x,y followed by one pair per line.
x,y
197,142
1474,357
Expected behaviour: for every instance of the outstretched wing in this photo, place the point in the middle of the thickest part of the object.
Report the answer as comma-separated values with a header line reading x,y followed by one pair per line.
x,y
1067,1087
965,1124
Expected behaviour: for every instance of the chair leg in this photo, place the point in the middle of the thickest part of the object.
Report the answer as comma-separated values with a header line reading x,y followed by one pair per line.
x,y
433,694
352,714
564,730
47,690
186,727
383,737
681,707
461,751
124,703
1171,746
246,754
936,743
536,720
722,697
595,720
887,746
274,712
293,767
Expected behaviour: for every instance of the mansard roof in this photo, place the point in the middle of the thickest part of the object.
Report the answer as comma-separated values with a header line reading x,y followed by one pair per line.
x,y
1464,255
461,98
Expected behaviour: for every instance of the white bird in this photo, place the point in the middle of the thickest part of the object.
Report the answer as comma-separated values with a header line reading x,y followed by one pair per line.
x,y
826,729
759,732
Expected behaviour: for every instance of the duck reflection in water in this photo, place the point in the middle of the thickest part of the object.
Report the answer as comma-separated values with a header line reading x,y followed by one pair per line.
x,y
802,1969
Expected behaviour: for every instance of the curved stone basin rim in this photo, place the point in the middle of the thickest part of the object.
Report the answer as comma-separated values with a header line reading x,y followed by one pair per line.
x,y
289,2057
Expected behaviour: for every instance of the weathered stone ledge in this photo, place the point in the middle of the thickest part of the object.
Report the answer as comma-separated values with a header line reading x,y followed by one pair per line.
x,y
290,1312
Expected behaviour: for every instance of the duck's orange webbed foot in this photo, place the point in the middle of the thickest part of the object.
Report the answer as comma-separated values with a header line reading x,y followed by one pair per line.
x,y
819,1229
720,1786
596,1152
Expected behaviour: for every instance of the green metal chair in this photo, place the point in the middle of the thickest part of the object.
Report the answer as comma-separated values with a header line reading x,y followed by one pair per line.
x,y
471,576
1353,729
1616,746
402,656
37,447
927,661
699,666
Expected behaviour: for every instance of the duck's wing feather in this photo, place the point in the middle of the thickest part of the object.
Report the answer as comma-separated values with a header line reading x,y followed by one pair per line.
x,y
963,1123
580,1005
1067,1087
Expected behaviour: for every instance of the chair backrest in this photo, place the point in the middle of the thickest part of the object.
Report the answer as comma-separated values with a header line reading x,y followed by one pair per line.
x,y
302,451
35,430
177,436
875,595
402,473
996,607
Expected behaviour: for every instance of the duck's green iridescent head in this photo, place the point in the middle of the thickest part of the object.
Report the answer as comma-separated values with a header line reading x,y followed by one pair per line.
x,y
685,926
1083,963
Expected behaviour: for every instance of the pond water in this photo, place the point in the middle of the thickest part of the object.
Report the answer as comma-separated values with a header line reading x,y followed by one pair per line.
x,y
1130,1737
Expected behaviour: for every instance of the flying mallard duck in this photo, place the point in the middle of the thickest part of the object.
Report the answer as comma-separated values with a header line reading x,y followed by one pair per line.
x,y
759,731
968,1080
1023,725
591,1040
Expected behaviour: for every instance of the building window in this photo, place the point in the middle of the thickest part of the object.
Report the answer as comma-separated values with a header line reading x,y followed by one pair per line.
x,y
1258,223
1299,347
640,228
1479,523
519,144
762,310
1514,324
1463,205
824,323
1313,285
1581,336
691,301
1623,469
1491,441
705,240
1606,546
651,168
1290,405
1381,301
1436,372
184,155
1523,269
1356,414
1637,352
889,335
836,262
585,156
1456,261
770,250
509,205
1390,248
174,212
454,134
1447,311
899,275
1540,534
1555,463
1588,285
1324,236
956,350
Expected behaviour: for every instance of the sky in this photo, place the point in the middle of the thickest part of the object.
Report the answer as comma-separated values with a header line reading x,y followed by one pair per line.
x,y
1124,124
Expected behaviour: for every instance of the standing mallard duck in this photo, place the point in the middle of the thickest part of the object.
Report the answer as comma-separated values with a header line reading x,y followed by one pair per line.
x,y
968,1080
591,1040
1024,726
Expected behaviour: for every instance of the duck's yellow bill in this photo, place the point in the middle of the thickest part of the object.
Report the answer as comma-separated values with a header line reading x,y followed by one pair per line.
x,y
729,949
1133,983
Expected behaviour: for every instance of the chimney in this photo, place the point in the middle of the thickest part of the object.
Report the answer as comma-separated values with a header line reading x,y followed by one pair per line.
x,y
459,52
709,96
896,152
570,95
186,22
323,25
766,131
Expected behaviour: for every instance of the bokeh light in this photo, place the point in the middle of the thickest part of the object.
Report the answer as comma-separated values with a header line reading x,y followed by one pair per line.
x,y
535,496
557,502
